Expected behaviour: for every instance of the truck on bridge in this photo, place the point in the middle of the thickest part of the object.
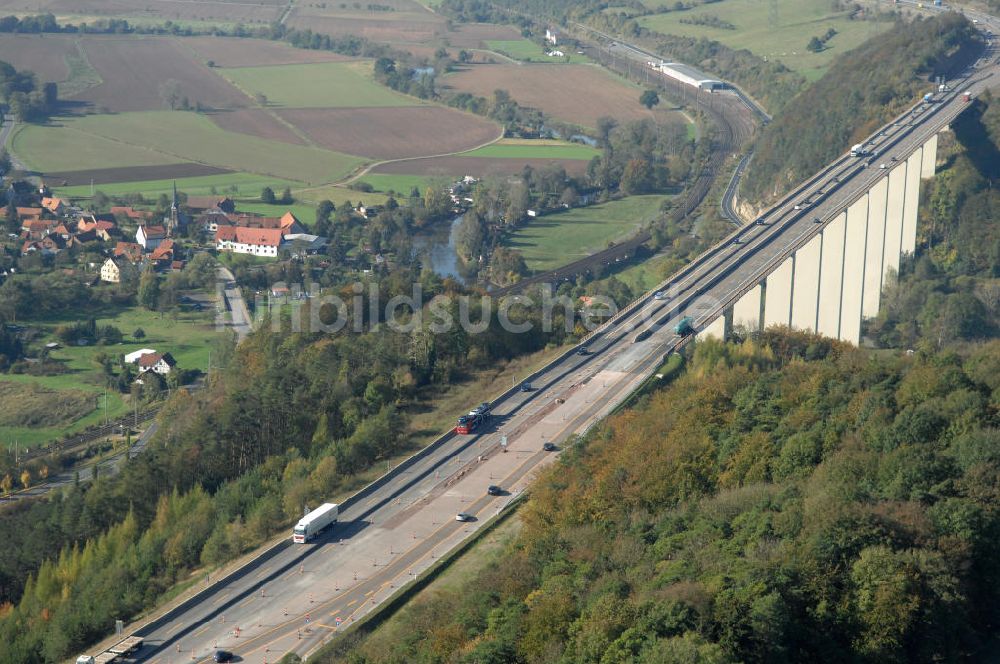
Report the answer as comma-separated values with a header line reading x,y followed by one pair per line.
x,y
118,651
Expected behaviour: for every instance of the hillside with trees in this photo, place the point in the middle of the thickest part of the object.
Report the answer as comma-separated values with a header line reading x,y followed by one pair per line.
x,y
797,500
854,98
294,418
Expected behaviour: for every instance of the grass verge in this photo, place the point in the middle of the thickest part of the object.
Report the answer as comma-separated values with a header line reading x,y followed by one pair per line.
x,y
556,239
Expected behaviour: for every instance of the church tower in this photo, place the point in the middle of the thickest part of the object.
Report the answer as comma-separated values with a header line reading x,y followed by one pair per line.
x,y
172,223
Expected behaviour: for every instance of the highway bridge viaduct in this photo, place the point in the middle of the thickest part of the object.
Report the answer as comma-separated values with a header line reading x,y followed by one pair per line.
x,y
835,280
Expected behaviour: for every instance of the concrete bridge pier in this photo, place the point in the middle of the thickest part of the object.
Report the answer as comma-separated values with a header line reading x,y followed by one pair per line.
x,y
835,279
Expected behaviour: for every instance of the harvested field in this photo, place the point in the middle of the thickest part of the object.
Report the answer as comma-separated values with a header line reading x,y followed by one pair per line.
x,y
63,147
475,35
170,137
131,174
475,166
317,85
236,52
136,72
393,133
44,55
228,183
573,93
259,11
377,26
256,122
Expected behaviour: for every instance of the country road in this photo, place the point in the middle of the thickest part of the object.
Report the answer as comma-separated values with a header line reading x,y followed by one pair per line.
x,y
231,300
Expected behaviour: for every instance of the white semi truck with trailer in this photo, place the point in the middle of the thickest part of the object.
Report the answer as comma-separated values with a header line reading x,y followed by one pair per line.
x,y
118,651
315,521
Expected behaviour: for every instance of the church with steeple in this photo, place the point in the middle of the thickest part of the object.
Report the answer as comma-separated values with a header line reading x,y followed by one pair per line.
x,y
177,221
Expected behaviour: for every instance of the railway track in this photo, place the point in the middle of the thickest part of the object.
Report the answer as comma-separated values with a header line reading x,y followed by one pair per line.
x,y
89,436
734,128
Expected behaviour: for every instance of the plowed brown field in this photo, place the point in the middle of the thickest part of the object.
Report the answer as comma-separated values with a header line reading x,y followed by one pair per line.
x,y
475,35
573,93
220,11
236,52
393,133
132,174
43,54
255,122
134,71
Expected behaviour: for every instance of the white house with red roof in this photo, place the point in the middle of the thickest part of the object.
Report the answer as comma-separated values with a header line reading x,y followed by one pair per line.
x,y
253,241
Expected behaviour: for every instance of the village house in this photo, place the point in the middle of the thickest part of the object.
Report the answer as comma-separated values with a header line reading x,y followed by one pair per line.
x,y
159,363
47,246
129,250
150,237
102,229
29,212
130,213
301,244
253,241
114,270
133,357
163,255
212,219
210,203
55,206
287,223
36,229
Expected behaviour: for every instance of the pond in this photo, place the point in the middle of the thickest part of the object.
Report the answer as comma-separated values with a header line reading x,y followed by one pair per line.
x,y
437,245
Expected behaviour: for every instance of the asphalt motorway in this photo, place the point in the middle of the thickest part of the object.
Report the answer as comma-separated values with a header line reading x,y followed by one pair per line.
x,y
294,597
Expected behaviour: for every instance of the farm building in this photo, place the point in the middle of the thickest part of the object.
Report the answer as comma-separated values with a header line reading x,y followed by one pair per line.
x,y
254,241
688,75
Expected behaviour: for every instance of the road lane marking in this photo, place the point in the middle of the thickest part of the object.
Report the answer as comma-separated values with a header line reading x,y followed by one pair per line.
x,y
200,630
352,602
